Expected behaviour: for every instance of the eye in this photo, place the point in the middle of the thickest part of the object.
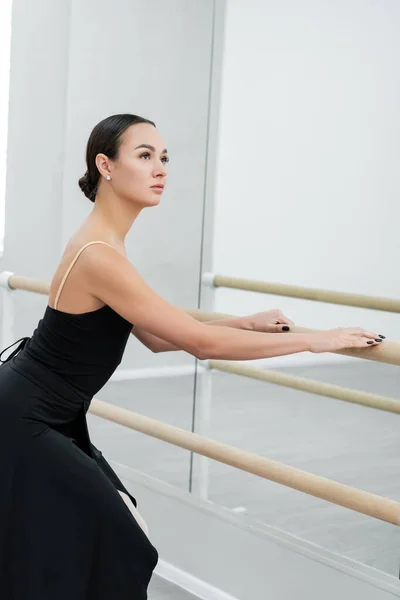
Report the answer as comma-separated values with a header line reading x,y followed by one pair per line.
x,y
165,159
145,155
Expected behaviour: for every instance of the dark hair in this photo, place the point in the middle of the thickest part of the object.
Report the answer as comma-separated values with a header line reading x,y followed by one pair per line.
x,y
105,139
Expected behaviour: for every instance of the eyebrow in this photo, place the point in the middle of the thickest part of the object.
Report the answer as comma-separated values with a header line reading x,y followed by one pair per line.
x,y
150,148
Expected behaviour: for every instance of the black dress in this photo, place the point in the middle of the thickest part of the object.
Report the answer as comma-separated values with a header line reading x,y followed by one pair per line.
x,y
65,531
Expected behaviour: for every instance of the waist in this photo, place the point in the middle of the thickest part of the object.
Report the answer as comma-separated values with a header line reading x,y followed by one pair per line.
x,y
50,381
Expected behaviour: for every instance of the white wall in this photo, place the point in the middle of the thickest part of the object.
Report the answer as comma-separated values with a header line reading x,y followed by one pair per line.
x,y
72,65
5,40
307,180
309,155
36,145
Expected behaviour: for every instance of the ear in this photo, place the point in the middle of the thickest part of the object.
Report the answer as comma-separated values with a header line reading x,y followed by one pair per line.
x,y
103,165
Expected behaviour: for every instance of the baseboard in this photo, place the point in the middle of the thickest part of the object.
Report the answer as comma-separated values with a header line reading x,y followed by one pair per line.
x,y
197,587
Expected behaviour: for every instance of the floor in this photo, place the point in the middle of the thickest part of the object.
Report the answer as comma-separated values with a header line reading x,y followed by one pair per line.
x,y
349,443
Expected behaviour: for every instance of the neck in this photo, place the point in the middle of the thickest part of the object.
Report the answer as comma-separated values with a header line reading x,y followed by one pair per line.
x,y
114,215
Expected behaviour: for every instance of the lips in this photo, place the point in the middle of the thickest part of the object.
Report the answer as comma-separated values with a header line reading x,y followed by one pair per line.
x,y
157,187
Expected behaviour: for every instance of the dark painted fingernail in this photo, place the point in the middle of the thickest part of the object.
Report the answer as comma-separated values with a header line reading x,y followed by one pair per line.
x,y
285,328
378,340
370,342
383,337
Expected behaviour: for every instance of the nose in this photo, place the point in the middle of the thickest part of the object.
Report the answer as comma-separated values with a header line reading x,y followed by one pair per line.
x,y
160,170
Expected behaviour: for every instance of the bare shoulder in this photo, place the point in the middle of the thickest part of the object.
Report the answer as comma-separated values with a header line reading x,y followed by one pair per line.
x,y
113,279
100,261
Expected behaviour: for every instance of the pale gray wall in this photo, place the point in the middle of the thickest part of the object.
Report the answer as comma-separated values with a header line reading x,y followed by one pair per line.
x,y
36,146
72,64
310,120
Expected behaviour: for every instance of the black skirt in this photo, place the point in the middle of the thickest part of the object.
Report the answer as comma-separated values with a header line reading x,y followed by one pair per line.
x,y
65,531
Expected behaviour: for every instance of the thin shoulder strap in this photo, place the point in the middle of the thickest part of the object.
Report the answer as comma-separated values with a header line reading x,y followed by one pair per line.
x,y
64,279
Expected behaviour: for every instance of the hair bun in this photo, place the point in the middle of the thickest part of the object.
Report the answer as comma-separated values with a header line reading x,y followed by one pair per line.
x,y
87,188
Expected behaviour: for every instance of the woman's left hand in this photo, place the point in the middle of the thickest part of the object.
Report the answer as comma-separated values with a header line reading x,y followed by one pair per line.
x,y
270,321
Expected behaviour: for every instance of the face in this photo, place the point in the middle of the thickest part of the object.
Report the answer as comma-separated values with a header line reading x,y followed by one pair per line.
x,y
139,173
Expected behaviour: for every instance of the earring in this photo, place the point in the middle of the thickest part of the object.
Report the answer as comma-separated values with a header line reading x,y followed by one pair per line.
x,y
108,177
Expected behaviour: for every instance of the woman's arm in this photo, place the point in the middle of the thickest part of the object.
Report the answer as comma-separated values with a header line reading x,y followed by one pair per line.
x,y
111,278
269,321
156,344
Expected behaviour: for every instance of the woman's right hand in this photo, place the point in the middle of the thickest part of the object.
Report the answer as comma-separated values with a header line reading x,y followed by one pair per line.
x,y
343,339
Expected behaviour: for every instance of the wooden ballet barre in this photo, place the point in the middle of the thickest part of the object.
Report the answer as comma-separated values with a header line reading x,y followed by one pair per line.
x,y
388,353
19,282
28,284
308,385
308,483
294,291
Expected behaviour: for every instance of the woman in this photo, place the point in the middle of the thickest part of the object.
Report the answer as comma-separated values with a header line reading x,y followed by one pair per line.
x,y
68,527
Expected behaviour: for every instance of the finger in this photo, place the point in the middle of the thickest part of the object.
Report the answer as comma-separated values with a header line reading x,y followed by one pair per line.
x,y
367,342
284,320
363,333
369,335
278,328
